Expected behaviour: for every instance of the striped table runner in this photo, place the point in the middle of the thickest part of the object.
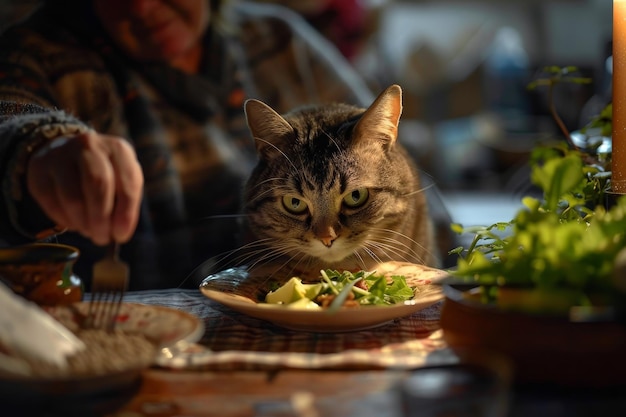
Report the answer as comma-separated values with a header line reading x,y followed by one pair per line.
x,y
233,341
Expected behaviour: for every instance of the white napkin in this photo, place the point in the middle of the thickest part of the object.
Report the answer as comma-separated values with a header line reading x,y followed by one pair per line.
x,y
28,331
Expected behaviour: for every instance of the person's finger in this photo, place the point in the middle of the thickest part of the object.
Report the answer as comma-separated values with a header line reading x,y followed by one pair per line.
x,y
128,190
43,186
43,191
98,189
70,196
89,183
97,184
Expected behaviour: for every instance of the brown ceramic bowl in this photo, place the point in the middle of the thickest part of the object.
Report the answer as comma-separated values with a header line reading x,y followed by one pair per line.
x,y
543,348
42,272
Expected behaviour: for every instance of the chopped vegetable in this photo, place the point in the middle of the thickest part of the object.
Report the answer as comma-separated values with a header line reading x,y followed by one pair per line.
x,y
292,291
342,289
304,304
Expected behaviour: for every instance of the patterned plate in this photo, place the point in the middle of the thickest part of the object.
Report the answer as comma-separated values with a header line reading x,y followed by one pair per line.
x,y
163,326
244,292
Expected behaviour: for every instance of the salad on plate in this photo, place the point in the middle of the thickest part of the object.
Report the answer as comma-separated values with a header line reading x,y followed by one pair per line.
x,y
342,289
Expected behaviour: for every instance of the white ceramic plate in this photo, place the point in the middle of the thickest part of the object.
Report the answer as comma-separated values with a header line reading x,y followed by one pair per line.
x,y
243,292
162,325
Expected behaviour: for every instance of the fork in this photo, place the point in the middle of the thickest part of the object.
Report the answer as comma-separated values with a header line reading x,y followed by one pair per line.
x,y
108,285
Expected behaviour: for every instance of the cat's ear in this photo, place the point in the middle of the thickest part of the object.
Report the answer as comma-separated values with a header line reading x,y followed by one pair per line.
x,y
380,121
269,129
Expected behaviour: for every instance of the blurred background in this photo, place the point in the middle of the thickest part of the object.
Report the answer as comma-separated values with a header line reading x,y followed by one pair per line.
x,y
464,66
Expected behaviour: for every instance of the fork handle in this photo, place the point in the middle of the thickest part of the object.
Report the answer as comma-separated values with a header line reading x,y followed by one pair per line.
x,y
113,250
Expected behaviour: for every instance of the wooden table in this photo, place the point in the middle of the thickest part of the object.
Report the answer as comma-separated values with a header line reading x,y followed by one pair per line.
x,y
284,393
248,389
241,388
328,392
298,393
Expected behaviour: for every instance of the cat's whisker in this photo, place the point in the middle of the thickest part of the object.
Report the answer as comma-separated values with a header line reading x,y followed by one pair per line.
x,y
359,258
288,261
271,247
408,256
397,246
215,263
267,142
228,258
268,259
330,138
224,216
295,170
384,250
207,267
263,260
420,190
396,255
268,190
268,180
398,235
372,254
398,242
250,255
270,253
424,249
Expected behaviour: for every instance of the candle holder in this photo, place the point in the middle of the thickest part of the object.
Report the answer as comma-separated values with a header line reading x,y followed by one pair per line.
x,y
610,199
618,160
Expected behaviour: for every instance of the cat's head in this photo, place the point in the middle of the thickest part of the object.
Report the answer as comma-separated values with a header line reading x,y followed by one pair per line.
x,y
331,182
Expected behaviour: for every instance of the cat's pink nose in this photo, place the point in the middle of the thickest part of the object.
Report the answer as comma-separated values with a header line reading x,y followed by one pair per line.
x,y
326,234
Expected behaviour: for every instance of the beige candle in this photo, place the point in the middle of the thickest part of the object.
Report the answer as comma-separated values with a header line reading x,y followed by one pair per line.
x,y
618,165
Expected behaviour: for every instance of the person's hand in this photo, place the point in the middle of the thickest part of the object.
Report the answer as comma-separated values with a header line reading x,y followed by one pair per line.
x,y
90,183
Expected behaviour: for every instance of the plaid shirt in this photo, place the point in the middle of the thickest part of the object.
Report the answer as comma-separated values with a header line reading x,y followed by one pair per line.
x,y
60,74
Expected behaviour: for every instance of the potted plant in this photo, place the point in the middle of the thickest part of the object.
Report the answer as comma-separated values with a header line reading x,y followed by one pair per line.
x,y
548,288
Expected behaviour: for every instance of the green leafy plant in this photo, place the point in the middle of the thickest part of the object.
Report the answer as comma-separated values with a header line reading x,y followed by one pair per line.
x,y
563,243
602,121
550,77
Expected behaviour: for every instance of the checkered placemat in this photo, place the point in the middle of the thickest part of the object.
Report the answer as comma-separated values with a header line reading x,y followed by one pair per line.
x,y
233,341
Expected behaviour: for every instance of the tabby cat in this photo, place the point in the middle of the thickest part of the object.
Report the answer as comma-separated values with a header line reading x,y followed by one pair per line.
x,y
333,188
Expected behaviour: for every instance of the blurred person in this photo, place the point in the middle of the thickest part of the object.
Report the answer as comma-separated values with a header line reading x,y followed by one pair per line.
x,y
122,120
346,23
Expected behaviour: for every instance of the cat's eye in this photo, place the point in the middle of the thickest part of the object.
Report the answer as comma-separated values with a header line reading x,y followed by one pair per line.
x,y
294,204
356,197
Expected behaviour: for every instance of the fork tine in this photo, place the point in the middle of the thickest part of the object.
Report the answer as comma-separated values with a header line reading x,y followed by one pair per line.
x,y
115,309
96,307
111,309
97,297
109,282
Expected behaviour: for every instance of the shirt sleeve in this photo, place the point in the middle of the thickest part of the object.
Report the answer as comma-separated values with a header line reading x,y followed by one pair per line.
x,y
29,117
24,128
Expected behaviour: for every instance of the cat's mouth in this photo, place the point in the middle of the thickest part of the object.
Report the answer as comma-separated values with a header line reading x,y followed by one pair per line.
x,y
338,251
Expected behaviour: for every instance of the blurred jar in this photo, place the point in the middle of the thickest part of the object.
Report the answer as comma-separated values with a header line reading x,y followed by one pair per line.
x,y
42,272
507,75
